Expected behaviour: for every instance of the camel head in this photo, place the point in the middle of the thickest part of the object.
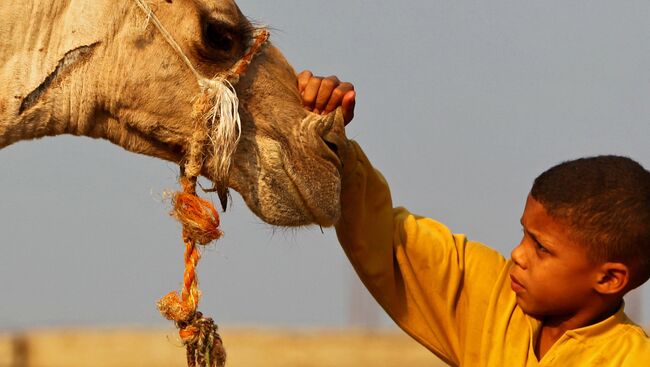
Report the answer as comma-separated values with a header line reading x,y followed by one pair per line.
x,y
116,77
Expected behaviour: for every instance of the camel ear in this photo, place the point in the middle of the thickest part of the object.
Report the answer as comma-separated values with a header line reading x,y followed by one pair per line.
x,y
613,278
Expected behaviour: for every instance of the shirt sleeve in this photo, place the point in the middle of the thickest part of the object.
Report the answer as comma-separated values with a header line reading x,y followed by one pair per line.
x,y
434,284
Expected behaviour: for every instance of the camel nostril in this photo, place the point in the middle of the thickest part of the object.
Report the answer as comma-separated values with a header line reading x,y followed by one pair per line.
x,y
333,147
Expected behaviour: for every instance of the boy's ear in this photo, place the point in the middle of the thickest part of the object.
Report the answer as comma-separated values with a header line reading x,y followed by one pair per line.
x,y
613,278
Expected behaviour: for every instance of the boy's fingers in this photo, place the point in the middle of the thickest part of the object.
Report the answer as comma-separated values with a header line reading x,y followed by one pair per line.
x,y
303,79
336,98
323,95
327,87
310,93
349,101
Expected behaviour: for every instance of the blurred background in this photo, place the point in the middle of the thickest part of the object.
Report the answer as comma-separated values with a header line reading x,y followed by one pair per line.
x,y
461,104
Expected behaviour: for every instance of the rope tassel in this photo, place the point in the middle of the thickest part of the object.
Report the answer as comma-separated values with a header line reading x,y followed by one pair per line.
x,y
199,334
220,105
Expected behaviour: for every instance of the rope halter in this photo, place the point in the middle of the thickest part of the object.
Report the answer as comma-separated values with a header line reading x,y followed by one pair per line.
x,y
216,109
217,125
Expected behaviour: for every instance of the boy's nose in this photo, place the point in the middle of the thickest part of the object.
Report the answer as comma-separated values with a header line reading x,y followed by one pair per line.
x,y
518,257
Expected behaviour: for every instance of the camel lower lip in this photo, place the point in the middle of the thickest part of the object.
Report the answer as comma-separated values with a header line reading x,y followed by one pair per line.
x,y
316,214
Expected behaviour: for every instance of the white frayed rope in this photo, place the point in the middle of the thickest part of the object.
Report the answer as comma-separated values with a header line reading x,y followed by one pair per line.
x,y
225,133
222,120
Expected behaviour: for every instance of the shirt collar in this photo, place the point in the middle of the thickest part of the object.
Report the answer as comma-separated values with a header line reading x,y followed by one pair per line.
x,y
602,328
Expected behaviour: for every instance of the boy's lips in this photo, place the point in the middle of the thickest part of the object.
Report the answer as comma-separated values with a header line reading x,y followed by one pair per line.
x,y
515,285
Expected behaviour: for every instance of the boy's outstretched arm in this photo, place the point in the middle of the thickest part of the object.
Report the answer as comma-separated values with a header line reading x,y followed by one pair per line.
x,y
414,267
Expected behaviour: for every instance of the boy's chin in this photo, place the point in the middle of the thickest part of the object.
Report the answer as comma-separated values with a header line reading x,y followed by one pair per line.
x,y
529,308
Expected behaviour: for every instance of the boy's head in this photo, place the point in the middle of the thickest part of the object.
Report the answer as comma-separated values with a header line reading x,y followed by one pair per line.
x,y
606,202
586,235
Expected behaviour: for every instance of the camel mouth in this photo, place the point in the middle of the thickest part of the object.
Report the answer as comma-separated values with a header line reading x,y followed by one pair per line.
x,y
295,180
319,185
317,215
288,192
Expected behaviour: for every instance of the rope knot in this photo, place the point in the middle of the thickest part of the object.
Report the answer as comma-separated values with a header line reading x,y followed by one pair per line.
x,y
174,309
198,216
199,334
203,342
189,334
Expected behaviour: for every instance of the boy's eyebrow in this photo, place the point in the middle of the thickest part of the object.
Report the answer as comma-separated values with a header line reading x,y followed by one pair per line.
x,y
531,234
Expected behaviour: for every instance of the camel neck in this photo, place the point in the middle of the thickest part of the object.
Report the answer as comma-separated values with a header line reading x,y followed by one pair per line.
x,y
43,43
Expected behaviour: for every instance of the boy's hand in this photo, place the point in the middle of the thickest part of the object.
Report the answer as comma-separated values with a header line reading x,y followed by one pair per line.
x,y
323,95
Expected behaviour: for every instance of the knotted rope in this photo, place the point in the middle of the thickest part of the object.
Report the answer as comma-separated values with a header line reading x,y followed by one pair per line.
x,y
217,129
199,334
200,221
222,117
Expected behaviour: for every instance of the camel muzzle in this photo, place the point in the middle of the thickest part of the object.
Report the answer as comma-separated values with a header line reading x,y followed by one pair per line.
x,y
332,131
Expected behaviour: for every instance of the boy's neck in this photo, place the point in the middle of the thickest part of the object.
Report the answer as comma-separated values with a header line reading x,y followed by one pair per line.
x,y
553,328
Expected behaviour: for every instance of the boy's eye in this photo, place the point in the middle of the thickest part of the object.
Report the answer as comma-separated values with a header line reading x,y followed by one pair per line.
x,y
540,248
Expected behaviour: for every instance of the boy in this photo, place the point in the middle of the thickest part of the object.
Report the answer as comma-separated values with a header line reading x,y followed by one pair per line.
x,y
557,302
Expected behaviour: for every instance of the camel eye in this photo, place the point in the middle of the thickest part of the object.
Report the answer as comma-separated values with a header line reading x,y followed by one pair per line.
x,y
219,37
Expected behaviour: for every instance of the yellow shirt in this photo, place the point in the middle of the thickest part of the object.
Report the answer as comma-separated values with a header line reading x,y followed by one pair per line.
x,y
453,295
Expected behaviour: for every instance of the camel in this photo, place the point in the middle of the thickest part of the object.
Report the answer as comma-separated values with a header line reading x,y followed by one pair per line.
x,y
98,68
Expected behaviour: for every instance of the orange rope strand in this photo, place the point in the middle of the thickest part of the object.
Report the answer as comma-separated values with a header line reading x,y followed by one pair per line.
x,y
190,293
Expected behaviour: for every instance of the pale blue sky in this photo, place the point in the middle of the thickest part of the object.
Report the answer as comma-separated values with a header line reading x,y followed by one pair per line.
x,y
460,104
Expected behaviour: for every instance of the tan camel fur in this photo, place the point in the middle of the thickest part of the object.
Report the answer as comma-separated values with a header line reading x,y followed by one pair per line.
x,y
98,68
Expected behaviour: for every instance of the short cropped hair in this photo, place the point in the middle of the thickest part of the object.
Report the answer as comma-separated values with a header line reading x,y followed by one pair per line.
x,y
606,201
